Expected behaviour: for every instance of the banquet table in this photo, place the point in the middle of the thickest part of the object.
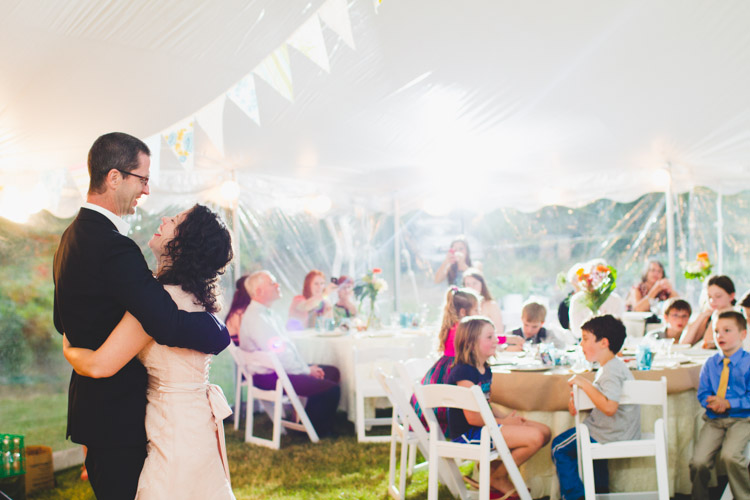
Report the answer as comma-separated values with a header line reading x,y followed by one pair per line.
x,y
337,348
543,396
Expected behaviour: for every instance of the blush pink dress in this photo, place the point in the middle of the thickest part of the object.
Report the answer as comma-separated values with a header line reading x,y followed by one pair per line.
x,y
186,449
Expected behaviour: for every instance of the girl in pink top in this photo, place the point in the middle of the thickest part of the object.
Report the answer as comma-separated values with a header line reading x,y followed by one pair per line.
x,y
459,302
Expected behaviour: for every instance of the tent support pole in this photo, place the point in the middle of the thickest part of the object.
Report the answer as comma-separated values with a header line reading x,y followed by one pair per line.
x,y
670,225
396,256
236,238
719,233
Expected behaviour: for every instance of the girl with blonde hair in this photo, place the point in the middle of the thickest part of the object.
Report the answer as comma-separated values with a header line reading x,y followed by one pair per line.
x,y
459,302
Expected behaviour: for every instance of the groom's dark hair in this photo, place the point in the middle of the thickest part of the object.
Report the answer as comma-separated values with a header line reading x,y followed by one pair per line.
x,y
115,150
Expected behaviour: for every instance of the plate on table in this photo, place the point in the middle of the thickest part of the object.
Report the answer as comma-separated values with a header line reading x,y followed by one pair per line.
x,y
412,331
680,347
333,333
500,362
529,368
376,334
679,358
637,315
665,363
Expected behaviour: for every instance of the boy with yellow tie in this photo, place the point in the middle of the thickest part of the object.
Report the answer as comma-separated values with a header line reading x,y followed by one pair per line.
x,y
724,391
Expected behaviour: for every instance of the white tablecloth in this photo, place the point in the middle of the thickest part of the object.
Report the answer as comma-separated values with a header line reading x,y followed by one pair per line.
x,y
328,348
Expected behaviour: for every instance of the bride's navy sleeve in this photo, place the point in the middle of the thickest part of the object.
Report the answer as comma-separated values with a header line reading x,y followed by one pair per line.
x,y
134,287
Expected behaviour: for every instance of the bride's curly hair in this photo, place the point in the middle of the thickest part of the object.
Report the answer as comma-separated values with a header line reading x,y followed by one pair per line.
x,y
198,255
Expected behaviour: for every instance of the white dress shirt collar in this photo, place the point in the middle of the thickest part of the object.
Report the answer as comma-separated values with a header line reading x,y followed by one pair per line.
x,y
122,227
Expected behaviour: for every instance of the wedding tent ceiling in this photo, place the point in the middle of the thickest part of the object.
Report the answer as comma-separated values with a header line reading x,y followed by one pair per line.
x,y
487,102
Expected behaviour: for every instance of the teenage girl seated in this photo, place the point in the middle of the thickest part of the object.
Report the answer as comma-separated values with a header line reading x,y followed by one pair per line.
x,y
720,292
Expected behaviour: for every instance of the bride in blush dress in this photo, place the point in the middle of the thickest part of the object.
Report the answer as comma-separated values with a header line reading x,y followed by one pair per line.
x,y
186,449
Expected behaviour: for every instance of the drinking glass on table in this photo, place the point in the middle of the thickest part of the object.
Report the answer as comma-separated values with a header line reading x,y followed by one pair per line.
x,y
665,347
395,320
644,356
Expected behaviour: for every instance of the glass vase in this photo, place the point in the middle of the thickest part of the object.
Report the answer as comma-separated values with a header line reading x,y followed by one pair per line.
x,y
373,320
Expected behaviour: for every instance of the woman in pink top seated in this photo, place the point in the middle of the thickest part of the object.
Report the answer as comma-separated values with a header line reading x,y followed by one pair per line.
x,y
459,302
313,302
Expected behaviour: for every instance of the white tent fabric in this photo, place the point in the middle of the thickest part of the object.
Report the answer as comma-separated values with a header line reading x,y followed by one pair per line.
x,y
486,102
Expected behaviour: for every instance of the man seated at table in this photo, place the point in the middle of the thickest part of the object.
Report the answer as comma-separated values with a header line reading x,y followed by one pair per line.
x,y
602,338
263,330
676,316
532,330
724,391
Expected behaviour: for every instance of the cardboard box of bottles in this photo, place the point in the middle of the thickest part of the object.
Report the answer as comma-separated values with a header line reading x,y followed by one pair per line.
x,y
40,472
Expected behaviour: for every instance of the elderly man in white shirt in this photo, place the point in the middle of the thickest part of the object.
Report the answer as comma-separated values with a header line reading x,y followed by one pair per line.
x,y
263,330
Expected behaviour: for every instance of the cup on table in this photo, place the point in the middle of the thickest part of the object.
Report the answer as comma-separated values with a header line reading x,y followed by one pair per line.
x,y
644,356
665,347
395,319
409,320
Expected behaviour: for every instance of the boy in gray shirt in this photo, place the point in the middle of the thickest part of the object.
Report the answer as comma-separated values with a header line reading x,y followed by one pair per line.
x,y
602,338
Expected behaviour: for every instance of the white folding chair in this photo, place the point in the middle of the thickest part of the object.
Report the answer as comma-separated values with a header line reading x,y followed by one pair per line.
x,y
640,392
262,361
416,436
471,399
727,495
413,370
239,382
400,433
366,386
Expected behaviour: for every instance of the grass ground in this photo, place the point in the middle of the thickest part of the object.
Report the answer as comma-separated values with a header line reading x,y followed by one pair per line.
x,y
339,468
39,414
39,411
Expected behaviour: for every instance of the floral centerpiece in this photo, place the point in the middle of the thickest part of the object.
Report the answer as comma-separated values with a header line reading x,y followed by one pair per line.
x,y
596,284
699,269
368,288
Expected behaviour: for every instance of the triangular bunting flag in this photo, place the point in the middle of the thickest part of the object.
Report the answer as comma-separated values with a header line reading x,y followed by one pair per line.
x,y
243,95
336,15
154,145
308,39
180,140
211,119
275,70
80,176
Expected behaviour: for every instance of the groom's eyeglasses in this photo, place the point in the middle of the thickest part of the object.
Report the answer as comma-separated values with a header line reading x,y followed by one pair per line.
x,y
144,180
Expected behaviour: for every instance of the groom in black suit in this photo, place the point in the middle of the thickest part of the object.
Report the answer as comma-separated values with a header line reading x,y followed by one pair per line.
x,y
99,274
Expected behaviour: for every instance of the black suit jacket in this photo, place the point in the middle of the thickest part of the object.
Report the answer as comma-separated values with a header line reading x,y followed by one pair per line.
x,y
99,274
